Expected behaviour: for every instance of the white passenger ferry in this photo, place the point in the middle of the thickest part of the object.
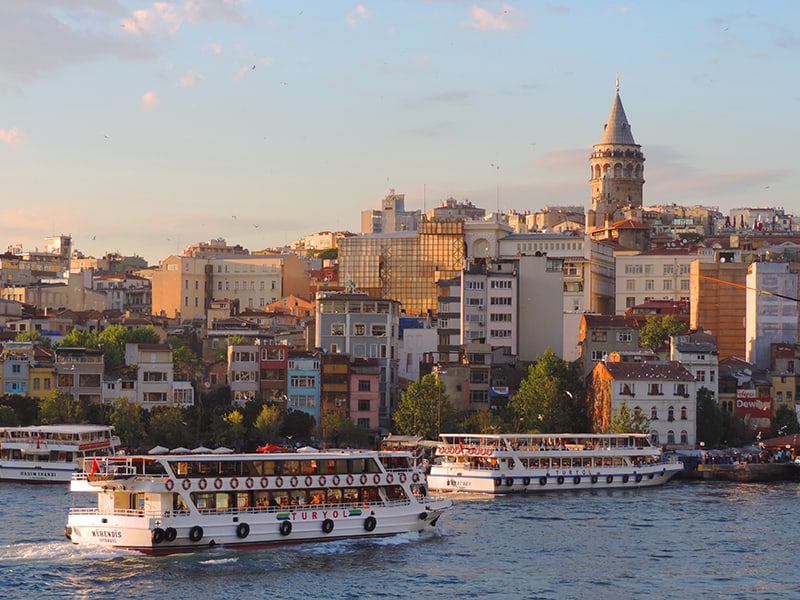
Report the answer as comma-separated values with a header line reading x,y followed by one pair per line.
x,y
52,453
533,463
179,503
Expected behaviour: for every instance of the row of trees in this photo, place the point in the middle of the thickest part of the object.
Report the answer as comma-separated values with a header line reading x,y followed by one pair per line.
x,y
551,399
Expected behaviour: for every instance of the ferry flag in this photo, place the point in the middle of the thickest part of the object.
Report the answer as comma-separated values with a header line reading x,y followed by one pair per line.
x,y
95,467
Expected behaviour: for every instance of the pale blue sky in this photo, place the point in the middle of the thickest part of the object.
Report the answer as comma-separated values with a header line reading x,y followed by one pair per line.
x,y
143,127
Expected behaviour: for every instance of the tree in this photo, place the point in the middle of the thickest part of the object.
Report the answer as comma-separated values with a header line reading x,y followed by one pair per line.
x,y
549,397
784,422
483,421
710,426
168,427
656,331
230,429
143,335
268,424
624,420
8,416
59,407
112,340
341,432
79,338
128,421
33,335
298,425
424,409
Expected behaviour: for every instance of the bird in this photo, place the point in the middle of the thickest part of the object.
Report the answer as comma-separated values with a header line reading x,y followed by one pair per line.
x,y
254,68
233,216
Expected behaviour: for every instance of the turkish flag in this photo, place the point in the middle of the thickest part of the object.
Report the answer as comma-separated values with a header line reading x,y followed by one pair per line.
x,y
95,467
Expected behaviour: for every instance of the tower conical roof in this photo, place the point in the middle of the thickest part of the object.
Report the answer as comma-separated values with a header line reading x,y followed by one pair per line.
x,y
618,130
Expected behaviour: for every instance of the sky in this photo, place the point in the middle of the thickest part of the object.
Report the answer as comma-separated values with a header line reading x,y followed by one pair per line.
x,y
142,127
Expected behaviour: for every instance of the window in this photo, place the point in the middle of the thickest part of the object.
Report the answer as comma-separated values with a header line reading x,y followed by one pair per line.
x,y
667,284
378,330
597,355
364,385
701,376
654,437
633,269
671,414
624,336
684,437
649,285
626,389
337,328
364,405
654,413
496,300
670,437
303,381
683,413
681,390
630,285
669,269
501,285
599,336
779,396
654,389
16,368
684,284
359,329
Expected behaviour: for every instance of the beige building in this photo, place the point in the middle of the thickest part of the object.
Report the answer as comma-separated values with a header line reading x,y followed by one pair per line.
x,y
184,286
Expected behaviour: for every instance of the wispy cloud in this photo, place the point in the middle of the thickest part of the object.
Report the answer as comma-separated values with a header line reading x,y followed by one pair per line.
x,y
359,14
162,17
150,100
216,49
190,78
508,19
11,136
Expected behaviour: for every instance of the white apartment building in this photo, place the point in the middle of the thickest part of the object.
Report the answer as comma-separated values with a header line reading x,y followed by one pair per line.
x,y
243,372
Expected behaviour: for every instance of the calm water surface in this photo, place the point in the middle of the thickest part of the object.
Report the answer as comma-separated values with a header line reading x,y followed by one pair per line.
x,y
684,540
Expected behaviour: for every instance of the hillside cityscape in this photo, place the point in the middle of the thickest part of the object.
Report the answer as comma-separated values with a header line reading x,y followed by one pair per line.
x,y
650,314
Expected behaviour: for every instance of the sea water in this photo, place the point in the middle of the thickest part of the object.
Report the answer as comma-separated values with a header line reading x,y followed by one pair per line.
x,y
683,540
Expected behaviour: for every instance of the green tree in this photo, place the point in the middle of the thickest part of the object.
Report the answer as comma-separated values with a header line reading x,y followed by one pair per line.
x,y
143,335
656,331
79,338
784,422
268,424
8,416
112,340
549,398
625,420
129,422
183,359
33,335
340,432
59,407
230,429
710,422
168,427
424,409
483,421
298,425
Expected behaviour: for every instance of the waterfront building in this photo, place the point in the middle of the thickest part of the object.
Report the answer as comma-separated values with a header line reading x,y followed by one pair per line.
x,y
365,393
602,335
303,388
663,392
243,373
718,303
79,373
273,366
697,353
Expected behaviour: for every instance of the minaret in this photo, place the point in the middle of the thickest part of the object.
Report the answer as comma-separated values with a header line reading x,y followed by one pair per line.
x,y
617,168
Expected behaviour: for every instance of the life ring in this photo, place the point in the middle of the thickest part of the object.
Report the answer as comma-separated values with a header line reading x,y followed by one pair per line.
x,y
234,483
279,481
363,479
170,533
498,481
196,533
526,481
389,478
218,483
349,479
327,526
293,481
402,477
376,478
625,479
202,484
609,479
542,480
322,480
242,530
157,535
638,477
415,478
423,515
264,482
560,479
509,481
370,523
594,479
335,480
309,480
285,528
649,475
169,484
576,480
441,450
187,483
248,483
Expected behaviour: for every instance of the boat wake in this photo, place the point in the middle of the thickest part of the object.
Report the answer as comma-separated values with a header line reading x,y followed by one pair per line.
x,y
28,552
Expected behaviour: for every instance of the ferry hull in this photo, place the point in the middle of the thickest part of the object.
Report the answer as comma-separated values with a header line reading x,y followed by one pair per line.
x,y
27,473
246,530
534,482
